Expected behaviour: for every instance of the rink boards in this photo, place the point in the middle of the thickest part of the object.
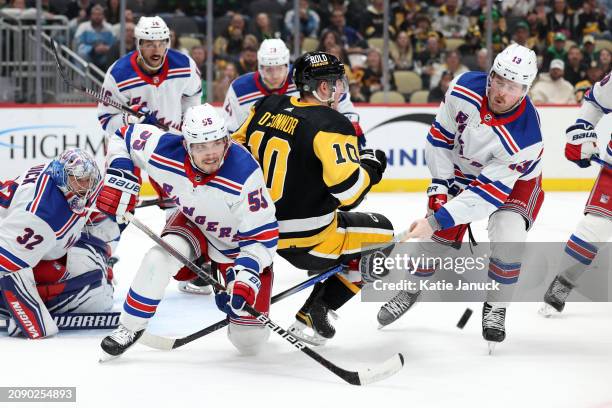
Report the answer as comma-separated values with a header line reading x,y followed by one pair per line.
x,y
30,134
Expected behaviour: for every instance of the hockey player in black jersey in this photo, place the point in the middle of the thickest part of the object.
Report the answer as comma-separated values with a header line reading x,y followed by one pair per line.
x,y
313,168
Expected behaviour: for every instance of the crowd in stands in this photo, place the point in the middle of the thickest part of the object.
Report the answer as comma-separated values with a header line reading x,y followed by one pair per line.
x,y
431,42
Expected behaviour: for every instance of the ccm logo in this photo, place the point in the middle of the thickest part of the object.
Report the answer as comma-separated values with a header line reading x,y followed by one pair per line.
x,y
124,185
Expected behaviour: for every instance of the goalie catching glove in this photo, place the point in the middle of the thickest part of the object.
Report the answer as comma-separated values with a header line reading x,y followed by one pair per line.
x,y
581,144
119,194
242,287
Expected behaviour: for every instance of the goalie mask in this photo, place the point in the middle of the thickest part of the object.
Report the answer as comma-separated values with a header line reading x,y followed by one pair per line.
x,y
76,174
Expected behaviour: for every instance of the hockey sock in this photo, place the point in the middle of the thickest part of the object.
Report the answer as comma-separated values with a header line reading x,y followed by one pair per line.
x,y
581,248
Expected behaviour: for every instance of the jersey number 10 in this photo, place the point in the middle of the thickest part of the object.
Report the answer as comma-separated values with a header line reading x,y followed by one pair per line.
x,y
274,163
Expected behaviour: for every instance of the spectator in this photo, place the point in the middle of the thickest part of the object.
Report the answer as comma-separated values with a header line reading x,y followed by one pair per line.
x,y
427,60
574,67
372,80
234,35
222,84
517,8
605,60
588,49
373,20
175,44
561,18
450,23
593,75
250,41
329,39
473,42
309,20
130,43
198,54
355,91
78,9
402,53
112,11
552,88
247,61
537,30
351,38
452,64
129,18
94,38
405,13
482,60
500,37
555,51
437,93
263,29
521,34
590,20
421,33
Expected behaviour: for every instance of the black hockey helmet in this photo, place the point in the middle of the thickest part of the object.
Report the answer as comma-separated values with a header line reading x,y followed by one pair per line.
x,y
313,67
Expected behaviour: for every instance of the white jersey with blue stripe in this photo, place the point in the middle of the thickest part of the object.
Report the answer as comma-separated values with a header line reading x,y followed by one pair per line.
x,y
247,89
597,103
35,220
176,87
231,207
471,149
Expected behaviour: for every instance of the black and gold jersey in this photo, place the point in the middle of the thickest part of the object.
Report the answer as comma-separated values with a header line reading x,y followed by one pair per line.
x,y
309,156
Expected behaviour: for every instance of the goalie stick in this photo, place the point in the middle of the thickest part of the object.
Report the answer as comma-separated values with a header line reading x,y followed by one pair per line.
x,y
80,321
361,377
169,343
97,95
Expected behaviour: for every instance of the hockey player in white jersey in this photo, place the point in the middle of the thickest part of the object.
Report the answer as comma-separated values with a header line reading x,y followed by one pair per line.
x,y
484,150
595,227
158,82
272,77
226,215
46,265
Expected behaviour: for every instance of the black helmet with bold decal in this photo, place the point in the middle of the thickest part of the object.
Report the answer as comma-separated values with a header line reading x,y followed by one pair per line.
x,y
313,67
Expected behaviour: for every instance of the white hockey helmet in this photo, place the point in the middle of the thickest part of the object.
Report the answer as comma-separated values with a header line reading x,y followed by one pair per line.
x,y
151,28
272,52
202,124
516,63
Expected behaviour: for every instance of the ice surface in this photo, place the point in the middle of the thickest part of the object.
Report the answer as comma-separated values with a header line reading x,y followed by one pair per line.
x,y
558,362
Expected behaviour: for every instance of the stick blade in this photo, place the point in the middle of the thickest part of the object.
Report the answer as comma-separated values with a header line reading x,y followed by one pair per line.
x,y
156,342
382,371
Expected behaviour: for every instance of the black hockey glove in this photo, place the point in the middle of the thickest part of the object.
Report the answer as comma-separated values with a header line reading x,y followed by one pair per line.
x,y
374,162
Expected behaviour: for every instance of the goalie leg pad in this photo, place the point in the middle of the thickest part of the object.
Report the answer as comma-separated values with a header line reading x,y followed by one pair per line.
x,y
25,305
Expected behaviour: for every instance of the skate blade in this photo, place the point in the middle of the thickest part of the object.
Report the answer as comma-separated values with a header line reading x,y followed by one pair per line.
x,y
491,345
297,330
547,310
105,357
195,290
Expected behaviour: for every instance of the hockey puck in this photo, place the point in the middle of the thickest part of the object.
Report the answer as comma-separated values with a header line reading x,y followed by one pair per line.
x,y
464,319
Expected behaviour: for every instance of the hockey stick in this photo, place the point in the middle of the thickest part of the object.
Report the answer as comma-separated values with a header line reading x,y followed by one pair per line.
x,y
601,162
80,321
168,343
153,201
97,95
362,377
